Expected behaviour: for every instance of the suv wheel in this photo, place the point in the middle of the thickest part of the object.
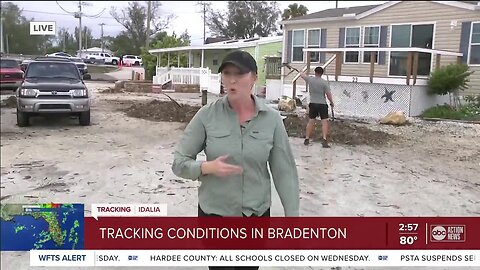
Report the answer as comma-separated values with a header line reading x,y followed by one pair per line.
x,y
23,119
84,118
114,62
136,63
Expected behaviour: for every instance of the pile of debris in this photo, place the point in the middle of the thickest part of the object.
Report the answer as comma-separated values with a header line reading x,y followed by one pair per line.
x,y
10,102
157,110
341,132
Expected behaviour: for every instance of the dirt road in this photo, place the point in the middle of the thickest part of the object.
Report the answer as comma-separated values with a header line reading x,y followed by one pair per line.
x,y
428,169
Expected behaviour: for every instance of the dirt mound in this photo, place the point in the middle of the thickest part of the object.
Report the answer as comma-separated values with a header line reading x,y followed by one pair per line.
x,y
111,91
157,110
10,102
341,132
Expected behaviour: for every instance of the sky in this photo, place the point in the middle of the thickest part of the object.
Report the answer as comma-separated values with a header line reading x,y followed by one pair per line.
x,y
187,14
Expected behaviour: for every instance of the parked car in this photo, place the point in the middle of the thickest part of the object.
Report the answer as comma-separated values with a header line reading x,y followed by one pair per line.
x,y
11,75
24,64
52,86
132,60
62,54
82,67
106,57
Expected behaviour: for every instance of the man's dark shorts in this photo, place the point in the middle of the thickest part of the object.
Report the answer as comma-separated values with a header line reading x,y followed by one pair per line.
x,y
317,109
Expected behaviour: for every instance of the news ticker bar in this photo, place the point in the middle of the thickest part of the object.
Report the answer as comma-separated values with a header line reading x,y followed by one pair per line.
x,y
272,258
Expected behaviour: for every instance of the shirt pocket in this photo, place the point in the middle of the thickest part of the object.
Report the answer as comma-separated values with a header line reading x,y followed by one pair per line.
x,y
217,143
259,145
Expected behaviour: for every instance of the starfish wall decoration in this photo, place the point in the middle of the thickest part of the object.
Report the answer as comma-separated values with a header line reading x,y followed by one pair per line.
x,y
388,95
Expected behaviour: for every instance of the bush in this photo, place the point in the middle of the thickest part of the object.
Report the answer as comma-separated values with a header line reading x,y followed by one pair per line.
x,y
449,79
470,111
442,111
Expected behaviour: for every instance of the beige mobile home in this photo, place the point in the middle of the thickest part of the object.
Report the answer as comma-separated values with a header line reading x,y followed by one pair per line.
x,y
368,51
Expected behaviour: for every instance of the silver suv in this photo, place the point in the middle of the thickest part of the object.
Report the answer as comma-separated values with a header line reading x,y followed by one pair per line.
x,y
52,86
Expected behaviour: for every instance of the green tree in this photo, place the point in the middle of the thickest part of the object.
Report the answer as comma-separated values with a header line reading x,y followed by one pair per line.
x,y
449,80
163,40
16,30
134,20
293,11
244,19
86,37
122,44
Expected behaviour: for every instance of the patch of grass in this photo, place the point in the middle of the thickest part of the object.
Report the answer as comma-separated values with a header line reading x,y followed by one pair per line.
x,y
101,69
468,112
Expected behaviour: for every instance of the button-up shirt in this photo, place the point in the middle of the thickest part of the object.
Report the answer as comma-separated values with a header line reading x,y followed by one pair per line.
x,y
261,143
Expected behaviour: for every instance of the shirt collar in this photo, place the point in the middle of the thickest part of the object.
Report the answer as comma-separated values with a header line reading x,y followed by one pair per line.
x,y
259,104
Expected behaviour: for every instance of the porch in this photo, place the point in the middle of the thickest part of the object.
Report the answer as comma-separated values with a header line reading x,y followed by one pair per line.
x,y
368,96
197,78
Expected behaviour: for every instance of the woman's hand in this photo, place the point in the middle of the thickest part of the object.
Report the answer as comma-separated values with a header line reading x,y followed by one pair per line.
x,y
219,167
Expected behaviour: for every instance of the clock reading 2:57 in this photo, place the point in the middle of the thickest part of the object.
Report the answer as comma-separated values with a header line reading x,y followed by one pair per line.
x,y
410,227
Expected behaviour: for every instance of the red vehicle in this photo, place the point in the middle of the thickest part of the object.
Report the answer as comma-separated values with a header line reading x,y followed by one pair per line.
x,y
11,75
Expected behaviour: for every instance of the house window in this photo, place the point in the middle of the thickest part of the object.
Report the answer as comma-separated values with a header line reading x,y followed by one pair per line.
x,y
314,42
371,39
215,60
408,35
475,44
352,40
298,45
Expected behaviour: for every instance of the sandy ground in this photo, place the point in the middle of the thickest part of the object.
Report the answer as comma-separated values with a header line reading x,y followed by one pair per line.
x,y
431,170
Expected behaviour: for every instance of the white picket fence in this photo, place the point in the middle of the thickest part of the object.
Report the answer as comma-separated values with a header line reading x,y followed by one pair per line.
x,y
200,76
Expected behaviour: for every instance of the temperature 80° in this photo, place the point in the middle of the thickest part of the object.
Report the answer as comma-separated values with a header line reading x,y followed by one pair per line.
x,y
408,240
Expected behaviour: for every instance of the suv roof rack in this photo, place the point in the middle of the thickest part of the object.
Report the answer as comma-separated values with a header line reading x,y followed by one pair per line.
x,y
52,58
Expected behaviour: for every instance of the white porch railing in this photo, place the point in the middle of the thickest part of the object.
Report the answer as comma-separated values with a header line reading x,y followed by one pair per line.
x,y
201,76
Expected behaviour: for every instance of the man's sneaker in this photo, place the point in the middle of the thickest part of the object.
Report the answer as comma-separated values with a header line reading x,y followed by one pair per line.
x,y
325,144
306,142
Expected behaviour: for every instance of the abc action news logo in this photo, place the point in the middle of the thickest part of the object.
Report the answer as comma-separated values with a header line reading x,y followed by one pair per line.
x,y
447,233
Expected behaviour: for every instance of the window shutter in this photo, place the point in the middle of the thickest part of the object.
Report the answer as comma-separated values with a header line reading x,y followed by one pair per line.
x,y
341,38
289,46
323,44
383,44
465,40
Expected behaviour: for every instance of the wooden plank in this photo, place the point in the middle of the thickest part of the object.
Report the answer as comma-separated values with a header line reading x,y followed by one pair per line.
x,y
409,67
309,56
372,65
338,65
415,67
437,62
294,89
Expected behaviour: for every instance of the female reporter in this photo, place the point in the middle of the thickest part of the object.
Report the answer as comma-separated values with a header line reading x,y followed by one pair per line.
x,y
241,138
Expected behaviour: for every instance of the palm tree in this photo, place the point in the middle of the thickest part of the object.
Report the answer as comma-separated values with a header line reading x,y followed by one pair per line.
x,y
294,10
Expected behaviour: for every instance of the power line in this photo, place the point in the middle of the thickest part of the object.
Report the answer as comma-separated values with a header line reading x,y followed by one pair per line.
x,y
55,13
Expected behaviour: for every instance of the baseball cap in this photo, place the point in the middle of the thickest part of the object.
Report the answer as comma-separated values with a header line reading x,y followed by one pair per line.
x,y
242,60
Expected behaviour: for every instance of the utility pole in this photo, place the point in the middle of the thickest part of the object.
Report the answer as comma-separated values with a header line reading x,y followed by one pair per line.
x,y
78,15
149,17
336,4
101,39
204,10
